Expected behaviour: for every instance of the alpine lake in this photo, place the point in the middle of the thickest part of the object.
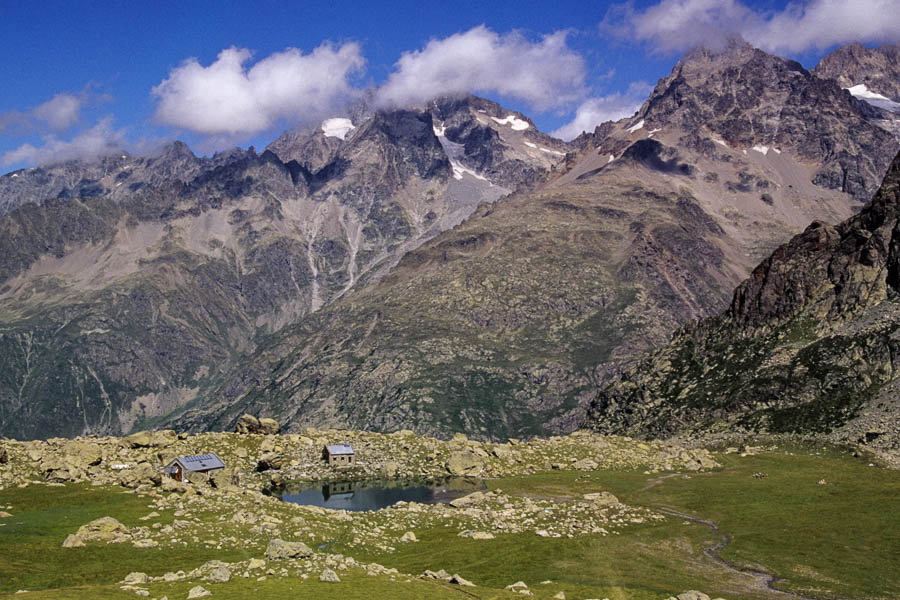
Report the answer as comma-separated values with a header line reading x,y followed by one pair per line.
x,y
375,494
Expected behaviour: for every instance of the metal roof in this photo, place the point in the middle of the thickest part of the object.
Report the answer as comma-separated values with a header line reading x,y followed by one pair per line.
x,y
338,449
200,462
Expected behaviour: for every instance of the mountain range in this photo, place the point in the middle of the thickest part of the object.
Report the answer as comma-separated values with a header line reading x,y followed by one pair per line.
x,y
444,267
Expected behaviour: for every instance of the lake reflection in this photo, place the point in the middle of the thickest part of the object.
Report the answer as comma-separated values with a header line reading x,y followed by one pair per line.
x,y
373,495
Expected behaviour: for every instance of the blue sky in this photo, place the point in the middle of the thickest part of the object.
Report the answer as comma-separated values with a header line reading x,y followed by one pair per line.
x,y
83,78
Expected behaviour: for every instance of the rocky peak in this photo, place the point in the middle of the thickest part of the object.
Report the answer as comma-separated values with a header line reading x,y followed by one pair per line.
x,y
854,64
749,99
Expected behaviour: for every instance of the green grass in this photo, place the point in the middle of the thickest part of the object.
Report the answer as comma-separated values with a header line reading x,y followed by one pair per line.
x,y
840,539
837,540
42,518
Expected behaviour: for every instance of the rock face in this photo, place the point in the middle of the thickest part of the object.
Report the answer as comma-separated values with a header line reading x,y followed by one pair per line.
x,y
808,344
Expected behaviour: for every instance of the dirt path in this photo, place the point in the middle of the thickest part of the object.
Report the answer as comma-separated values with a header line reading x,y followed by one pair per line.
x,y
762,581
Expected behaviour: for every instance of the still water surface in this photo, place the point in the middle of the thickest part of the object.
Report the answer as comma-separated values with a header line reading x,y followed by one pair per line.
x,y
376,494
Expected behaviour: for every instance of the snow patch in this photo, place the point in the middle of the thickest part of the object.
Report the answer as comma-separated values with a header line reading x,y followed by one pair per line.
x,y
652,131
439,131
530,145
554,152
458,171
761,149
337,127
611,158
861,91
776,150
14,175
720,142
634,128
513,121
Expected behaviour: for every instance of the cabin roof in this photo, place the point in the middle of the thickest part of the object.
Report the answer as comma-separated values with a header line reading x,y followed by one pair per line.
x,y
338,449
199,462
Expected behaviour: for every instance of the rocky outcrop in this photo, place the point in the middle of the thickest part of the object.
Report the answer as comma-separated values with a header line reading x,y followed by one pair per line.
x,y
808,345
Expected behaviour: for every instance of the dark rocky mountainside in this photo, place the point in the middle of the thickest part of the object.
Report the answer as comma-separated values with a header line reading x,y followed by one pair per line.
x,y
130,284
809,344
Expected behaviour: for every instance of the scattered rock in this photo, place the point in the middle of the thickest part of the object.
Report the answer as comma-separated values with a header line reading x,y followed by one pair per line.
x,y
692,595
602,498
198,592
136,578
476,535
329,576
279,549
459,580
270,460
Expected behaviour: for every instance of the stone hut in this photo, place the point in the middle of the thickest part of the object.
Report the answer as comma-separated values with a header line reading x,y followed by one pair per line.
x,y
339,455
201,463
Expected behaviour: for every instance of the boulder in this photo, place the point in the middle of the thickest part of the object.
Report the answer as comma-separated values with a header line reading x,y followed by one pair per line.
x,y
329,576
476,535
458,580
73,541
269,460
247,424
136,578
390,469
602,498
280,549
463,462
224,478
82,454
256,563
198,592
104,529
585,464
409,536
4,456
141,439
218,575
692,595
269,426
473,498
141,474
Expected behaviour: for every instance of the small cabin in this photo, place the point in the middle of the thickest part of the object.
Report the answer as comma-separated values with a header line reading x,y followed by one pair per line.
x,y
201,463
339,455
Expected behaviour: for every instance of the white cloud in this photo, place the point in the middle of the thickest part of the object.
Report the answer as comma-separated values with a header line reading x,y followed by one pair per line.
x,y
56,114
545,74
100,140
60,112
675,25
226,98
613,107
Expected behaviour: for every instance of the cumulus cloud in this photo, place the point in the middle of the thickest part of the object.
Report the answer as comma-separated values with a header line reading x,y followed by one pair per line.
x,y
100,140
227,98
675,25
594,111
57,114
545,74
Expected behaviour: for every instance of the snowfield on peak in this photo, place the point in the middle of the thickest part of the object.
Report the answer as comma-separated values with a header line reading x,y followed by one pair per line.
x,y
513,121
862,92
338,127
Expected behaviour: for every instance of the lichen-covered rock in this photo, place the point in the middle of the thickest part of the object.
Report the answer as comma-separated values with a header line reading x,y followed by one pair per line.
x,y
463,462
104,529
280,549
